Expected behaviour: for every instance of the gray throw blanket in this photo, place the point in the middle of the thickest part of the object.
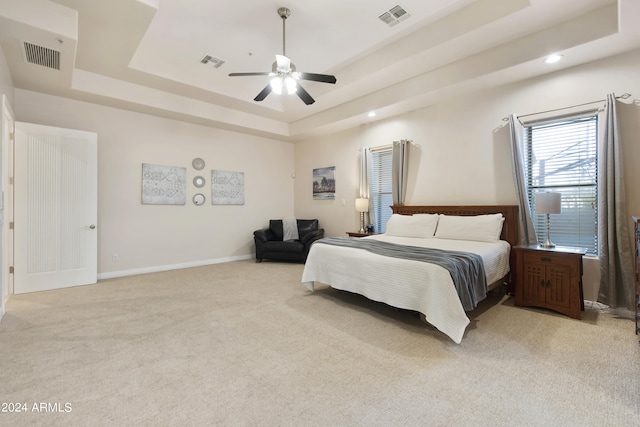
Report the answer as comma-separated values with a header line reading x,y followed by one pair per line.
x,y
290,229
466,269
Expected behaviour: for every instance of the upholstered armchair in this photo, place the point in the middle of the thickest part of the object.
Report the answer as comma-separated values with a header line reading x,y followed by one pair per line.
x,y
270,243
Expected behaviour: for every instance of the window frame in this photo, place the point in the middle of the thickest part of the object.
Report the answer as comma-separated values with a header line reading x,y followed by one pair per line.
x,y
381,200
572,199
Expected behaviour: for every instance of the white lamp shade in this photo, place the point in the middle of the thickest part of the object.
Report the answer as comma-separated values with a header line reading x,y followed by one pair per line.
x,y
548,203
279,84
362,205
276,85
291,85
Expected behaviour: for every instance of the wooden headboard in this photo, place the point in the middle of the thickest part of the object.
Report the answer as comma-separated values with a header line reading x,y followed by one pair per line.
x,y
510,213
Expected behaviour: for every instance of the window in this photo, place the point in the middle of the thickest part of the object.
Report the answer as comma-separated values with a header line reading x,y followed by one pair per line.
x,y
380,190
562,157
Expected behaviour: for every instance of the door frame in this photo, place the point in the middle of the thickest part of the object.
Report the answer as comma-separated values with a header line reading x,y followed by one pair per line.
x,y
7,132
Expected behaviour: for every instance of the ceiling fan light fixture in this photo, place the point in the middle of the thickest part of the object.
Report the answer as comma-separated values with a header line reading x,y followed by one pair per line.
x,y
276,85
291,85
280,84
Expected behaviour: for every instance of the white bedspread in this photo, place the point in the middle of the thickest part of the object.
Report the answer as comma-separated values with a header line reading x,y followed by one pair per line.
x,y
412,285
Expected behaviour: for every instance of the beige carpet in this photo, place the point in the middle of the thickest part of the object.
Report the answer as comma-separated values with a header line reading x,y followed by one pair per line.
x,y
246,344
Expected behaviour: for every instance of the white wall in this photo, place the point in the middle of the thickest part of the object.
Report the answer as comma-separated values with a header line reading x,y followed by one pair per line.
x,y
6,82
462,154
153,237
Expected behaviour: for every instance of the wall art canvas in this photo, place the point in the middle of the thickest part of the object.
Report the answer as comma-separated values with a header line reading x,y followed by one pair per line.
x,y
163,185
227,188
324,183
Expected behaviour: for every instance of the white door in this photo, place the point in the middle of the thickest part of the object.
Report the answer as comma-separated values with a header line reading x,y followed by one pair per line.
x,y
55,208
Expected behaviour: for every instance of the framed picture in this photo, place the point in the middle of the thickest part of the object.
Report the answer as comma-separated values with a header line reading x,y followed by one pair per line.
x,y
227,188
163,185
324,183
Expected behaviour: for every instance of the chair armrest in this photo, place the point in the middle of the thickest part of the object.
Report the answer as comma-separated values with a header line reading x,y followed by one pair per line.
x,y
313,236
263,235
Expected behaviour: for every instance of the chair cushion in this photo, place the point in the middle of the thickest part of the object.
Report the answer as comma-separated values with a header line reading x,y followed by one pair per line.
x,y
276,246
275,225
306,226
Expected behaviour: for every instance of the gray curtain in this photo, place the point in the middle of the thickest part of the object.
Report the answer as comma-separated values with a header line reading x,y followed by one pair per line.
x,y
526,232
399,170
616,257
365,184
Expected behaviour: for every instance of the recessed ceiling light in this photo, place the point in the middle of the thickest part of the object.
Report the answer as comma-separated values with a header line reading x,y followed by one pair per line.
x,y
371,114
553,58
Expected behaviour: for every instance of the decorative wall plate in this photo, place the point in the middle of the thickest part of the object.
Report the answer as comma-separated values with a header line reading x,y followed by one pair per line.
x,y
199,181
198,163
198,199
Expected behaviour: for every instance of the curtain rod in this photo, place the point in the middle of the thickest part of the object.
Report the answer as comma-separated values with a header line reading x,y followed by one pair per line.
x,y
623,96
388,146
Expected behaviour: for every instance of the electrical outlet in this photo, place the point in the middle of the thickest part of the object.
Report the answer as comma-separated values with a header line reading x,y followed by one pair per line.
x,y
114,258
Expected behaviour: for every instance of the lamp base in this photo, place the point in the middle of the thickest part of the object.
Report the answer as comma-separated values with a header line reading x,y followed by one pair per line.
x,y
362,230
547,243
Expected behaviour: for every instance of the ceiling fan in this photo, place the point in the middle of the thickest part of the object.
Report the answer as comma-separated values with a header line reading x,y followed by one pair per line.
x,y
285,76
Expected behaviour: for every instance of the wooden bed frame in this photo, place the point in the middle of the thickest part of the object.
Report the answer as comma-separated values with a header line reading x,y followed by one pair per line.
x,y
510,213
509,228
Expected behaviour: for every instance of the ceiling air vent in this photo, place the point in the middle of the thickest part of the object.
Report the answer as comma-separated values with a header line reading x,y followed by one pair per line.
x,y
213,61
40,55
394,16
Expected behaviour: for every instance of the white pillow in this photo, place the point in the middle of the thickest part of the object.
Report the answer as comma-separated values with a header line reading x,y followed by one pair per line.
x,y
418,225
483,228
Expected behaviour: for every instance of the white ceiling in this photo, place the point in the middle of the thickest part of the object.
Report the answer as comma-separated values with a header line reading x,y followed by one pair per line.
x,y
144,55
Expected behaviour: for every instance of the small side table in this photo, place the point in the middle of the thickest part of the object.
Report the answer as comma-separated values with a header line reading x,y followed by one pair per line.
x,y
359,234
549,278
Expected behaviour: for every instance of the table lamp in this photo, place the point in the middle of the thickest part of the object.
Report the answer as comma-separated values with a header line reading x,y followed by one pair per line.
x,y
362,206
548,203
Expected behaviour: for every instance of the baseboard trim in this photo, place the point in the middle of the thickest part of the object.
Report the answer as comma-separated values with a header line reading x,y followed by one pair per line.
x,y
156,269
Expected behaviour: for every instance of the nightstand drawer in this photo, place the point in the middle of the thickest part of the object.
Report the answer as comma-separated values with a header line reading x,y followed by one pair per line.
x,y
549,258
534,257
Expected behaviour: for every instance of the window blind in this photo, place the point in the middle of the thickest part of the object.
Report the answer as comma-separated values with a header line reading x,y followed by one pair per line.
x,y
380,190
562,156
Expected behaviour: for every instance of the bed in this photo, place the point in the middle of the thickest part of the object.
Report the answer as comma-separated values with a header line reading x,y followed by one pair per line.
x,y
380,271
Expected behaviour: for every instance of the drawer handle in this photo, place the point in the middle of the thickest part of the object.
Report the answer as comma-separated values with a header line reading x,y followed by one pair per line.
x,y
542,282
545,259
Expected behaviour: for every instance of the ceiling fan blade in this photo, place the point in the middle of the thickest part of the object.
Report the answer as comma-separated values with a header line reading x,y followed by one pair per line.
x,y
263,94
304,95
266,73
323,78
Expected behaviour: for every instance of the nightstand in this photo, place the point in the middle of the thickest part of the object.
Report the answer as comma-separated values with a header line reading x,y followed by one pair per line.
x,y
549,278
359,234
